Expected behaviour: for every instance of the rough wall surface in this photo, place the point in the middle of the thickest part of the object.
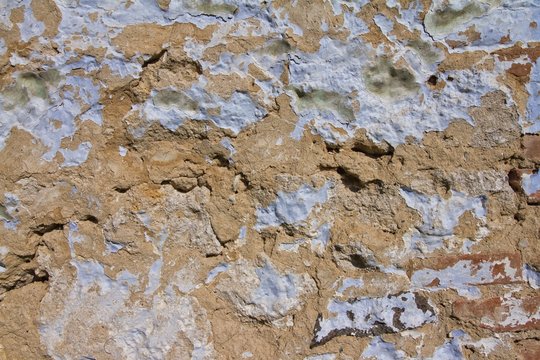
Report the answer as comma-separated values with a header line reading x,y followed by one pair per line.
x,y
235,179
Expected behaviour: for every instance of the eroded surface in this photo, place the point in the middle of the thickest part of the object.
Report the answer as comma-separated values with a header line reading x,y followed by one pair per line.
x,y
228,179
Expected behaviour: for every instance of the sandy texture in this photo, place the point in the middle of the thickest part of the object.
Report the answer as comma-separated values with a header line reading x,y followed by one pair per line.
x,y
306,179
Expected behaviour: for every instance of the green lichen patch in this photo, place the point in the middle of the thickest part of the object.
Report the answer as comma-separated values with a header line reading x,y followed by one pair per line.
x,y
325,100
4,214
444,18
384,79
425,50
174,99
30,85
212,7
276,48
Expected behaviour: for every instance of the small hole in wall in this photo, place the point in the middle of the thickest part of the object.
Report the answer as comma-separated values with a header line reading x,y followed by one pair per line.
x,y
433,80
359,261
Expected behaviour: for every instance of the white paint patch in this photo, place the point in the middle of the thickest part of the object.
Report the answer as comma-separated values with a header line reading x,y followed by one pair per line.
x,y
30,27
532,275
76,157
112,247
439,218
136,330
264,292
227,144
321,240
512,19
450,350
292,247
464,275
392,313
215,272
339,68
382,350
3,48
2,254
122,151
530,183
234,113
49,109
348,283
8,211
292,208
532,123
327,356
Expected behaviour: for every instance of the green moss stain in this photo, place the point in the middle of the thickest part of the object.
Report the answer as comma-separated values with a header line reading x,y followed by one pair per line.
x,y
4,214
30,85
173,99
386,80
444,18
425,50
211,7
276,48
325,100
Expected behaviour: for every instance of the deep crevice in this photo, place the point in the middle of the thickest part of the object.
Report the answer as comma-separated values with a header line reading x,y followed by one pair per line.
x,y
154,58
121,189
350,181
43,229
90,218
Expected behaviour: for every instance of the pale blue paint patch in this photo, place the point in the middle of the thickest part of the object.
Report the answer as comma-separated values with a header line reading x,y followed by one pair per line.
x,y
276,293
292,247
227,144
385,24
339,68
450,350
53,118
243,233
439,217
30,27
3,252
234,113
216,271
363,314
123,68
76,157
381,350
463,276
73,237
122,151
319,243
292,208
532,275
8,216
3,48
512,18
112,247
532,124
349,283
154,277
530,183
144,217
327,356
